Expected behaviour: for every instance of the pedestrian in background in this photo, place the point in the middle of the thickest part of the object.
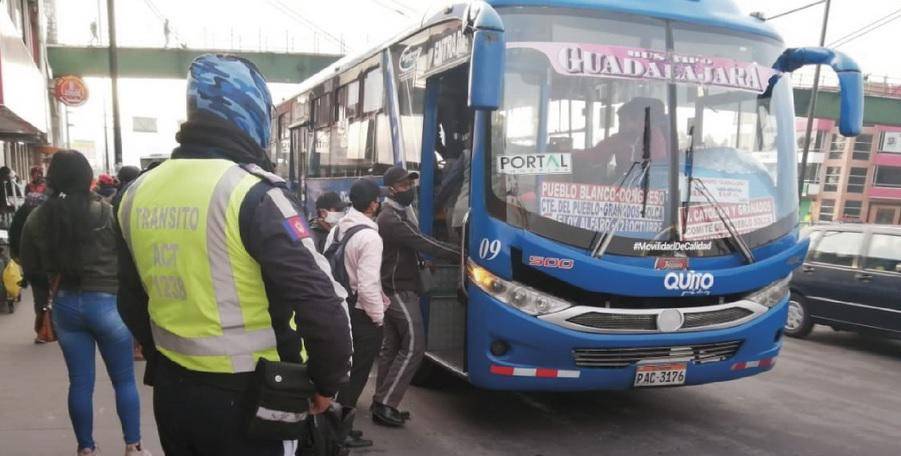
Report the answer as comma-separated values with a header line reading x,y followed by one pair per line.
x,y
106,187
356,241
10,194
40,288
329,209
225,272
404,335
71,240
36,184
126,175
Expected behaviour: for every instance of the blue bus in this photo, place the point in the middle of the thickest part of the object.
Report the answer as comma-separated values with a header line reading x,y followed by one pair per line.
x,y
621,176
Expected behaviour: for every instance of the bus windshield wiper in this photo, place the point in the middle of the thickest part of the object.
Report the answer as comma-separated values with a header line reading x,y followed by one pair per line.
x,y
689,173
598,248
645,160
724,217
705,192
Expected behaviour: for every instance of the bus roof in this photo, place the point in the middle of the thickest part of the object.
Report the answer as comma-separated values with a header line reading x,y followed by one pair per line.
x,y
716,13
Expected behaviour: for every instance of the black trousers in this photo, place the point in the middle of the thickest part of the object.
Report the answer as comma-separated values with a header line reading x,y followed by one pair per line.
x,y
367,343
199,419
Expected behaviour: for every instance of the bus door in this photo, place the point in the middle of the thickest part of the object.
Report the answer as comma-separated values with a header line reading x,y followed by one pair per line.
x,y
446,147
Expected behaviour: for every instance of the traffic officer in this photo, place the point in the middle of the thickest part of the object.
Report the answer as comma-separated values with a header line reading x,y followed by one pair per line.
x,y
217,261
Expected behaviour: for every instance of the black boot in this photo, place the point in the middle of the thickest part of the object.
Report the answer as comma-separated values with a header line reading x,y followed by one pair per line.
x,y
386,416
356,442
352,438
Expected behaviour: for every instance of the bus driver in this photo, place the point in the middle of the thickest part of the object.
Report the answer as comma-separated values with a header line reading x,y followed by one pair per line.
x,y
626,145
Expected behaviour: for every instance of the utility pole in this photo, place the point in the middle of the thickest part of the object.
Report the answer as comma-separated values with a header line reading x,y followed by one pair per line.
x,y
811,109
106,138
114,79
68,124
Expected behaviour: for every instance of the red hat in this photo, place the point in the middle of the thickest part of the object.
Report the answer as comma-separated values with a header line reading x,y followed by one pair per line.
x,y
106,179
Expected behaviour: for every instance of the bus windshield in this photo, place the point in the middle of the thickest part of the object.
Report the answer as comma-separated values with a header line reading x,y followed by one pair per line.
x,y
654,133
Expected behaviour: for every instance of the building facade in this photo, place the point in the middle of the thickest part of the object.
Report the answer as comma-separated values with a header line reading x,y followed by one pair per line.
x,y
25,110
855,180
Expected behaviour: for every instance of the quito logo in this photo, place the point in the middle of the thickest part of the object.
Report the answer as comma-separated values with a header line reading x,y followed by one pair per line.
x,y
689,281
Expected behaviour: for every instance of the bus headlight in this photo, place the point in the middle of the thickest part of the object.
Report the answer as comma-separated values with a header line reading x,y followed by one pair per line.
x,y
771,294
521,297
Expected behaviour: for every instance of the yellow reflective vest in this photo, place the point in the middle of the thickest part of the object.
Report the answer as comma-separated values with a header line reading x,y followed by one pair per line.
x,y
207,301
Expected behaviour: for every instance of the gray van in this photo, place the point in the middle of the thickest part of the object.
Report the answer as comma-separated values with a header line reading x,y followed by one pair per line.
x,y
851,280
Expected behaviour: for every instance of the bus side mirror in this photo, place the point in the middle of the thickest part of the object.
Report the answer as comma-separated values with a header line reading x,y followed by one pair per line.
x,y
850,81
486,66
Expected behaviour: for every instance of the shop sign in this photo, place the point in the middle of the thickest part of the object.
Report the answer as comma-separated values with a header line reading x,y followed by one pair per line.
x,y
71,91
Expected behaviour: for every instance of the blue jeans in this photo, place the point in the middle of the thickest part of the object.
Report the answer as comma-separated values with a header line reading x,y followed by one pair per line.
x,y
83,320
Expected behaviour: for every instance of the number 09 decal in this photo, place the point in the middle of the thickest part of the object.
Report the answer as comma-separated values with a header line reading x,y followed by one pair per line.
x,y
489,249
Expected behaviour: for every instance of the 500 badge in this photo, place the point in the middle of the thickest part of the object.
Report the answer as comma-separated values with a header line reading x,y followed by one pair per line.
x,y
552,263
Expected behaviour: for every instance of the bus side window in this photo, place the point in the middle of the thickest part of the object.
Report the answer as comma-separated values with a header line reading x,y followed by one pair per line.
x,y
352,106
346,136
319,157
373,91
378,133
282,145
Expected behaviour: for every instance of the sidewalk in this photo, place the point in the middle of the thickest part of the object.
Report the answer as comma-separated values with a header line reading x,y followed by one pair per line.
x,y
34,420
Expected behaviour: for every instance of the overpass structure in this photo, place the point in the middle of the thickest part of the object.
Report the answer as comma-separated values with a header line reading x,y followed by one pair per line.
x,y
172,63
878,110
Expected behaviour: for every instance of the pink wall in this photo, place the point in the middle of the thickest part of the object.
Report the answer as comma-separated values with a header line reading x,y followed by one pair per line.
x,y
818,124
884,193
888,159
881,128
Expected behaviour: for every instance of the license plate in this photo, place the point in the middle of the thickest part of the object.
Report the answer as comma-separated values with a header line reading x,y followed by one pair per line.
x,y
660,374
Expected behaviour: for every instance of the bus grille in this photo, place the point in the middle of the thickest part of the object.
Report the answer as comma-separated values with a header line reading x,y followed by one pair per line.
x,y
610,320
627,356
646,322
715,317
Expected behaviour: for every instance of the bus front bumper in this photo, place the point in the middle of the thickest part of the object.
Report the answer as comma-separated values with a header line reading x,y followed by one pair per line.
x,y
540,356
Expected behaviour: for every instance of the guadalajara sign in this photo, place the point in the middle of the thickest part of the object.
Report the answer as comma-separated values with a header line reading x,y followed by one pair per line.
x,y
592,60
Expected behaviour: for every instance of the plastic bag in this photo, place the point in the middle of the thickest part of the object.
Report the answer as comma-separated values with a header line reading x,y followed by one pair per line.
x,y
12,278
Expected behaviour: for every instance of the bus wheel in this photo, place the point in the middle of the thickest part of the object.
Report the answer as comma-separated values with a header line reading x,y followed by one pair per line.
x,y
798,323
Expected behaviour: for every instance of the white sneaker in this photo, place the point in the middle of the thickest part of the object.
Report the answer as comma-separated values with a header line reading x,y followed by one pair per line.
x,y
88,452
136,450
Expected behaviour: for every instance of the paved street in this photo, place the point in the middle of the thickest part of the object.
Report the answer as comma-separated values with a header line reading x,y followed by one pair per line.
x,y
834,394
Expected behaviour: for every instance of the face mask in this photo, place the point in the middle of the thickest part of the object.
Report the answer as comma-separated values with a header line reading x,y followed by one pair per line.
x,y
404,198
333,217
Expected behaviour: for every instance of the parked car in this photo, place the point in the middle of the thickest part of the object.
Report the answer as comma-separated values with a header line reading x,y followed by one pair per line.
x,y
851,280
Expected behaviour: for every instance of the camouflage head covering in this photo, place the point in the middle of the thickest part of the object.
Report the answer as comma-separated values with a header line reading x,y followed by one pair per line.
x,y
231,88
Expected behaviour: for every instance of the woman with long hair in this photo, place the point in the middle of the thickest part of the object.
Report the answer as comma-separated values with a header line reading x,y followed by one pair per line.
x,y
71,240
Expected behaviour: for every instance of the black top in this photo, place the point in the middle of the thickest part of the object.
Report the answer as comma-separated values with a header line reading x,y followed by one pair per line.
x,y
98,266
295,276
403,241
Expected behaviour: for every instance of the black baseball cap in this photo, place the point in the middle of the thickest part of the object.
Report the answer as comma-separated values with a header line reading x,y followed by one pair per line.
x,y
396,174
330,200
364,191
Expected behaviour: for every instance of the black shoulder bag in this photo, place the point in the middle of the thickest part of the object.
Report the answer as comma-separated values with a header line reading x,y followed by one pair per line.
x,y
279,401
